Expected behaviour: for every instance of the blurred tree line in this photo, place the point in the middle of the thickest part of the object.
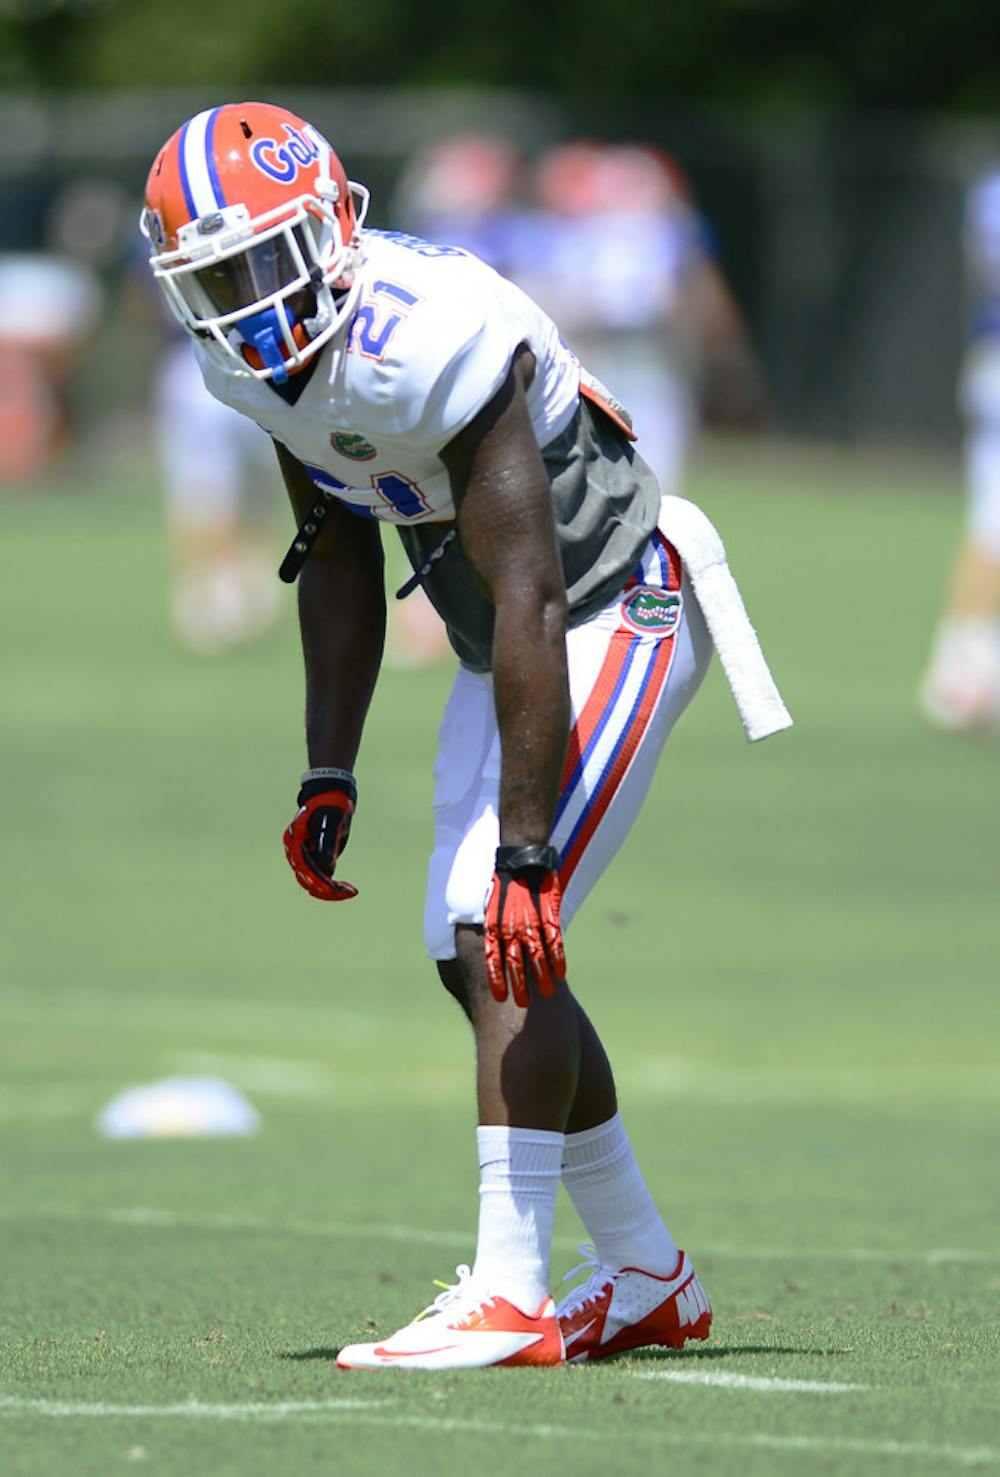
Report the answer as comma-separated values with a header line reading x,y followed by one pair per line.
x,y
755,54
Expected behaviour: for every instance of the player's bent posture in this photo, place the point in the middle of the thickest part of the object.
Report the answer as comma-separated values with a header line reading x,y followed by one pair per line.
x,y
408,383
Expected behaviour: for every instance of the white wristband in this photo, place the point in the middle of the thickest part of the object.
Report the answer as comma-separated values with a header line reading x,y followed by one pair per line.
x,y
328,774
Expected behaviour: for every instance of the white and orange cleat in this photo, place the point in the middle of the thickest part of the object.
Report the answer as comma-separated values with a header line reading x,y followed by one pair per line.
x,y
465,1328
960,691
618,1310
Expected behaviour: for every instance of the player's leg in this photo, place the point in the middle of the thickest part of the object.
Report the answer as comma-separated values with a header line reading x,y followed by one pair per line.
x,y
527,1061
641,1288
527,1066
536,1069
501,1311
223,589
527,1074
632,670
961,687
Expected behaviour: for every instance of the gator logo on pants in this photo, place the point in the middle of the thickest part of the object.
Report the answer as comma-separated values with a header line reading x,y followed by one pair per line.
x,y
650,610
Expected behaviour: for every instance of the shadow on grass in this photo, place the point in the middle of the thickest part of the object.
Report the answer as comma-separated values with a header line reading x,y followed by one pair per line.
x,y
724,1351
640,1356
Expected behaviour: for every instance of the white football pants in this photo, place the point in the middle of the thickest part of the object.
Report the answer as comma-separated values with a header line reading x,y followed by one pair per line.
x,y
209,453
633,669
983,470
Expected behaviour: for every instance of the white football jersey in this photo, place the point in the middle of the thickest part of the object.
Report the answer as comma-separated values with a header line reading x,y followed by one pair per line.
x,y
430,344
593,276
982,234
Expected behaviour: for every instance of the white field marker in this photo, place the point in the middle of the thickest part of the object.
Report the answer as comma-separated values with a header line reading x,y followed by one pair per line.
x,y
379,1413
722,1380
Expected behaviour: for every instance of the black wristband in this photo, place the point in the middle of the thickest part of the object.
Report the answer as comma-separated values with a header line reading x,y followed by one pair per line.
x,y
339,781
515,861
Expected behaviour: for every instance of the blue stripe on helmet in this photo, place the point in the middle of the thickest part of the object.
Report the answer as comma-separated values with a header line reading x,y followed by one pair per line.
x,y
185,182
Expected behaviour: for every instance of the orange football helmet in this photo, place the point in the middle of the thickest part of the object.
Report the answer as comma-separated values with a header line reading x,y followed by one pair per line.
x,y
590,177
255,235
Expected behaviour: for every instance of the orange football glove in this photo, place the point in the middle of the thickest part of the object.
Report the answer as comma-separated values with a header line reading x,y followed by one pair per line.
x,y
522,918
319,832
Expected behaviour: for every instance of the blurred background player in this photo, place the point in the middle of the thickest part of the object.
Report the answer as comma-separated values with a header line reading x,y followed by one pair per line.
x,y
216,475
462,190
465,190
961,688
618,256
50,308
213,463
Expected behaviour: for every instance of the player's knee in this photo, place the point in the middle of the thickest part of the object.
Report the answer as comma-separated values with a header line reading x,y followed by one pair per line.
x,y
455,901
452,977
464,977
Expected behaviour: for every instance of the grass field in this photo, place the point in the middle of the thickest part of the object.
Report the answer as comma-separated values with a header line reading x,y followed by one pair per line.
x,y
794,965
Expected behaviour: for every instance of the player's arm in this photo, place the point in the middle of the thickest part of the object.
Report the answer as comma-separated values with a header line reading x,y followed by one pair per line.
x,y
505,519
342,623
732,392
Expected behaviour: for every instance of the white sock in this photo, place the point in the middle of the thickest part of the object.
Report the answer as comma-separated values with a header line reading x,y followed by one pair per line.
x,y
967,647
606,1186
519,1171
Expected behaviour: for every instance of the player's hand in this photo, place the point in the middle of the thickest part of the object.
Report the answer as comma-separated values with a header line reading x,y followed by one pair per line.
x,y
522,919
319,832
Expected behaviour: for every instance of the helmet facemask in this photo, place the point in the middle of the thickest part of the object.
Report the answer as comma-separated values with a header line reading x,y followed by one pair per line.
x,y
276,287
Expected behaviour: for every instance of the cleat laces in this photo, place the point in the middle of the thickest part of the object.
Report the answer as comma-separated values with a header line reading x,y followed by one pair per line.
x,y
590,1290
452,1294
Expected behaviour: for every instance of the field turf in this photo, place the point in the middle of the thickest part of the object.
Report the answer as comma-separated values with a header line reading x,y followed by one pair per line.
x,y
794,965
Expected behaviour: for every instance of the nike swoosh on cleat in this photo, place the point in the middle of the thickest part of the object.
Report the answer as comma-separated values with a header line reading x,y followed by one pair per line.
x,y
578,1335
384,1353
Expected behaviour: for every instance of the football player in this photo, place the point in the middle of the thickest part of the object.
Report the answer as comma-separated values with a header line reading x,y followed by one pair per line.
x,y
961,687
223,591
406,383
466,190
664,331
461,190
50,308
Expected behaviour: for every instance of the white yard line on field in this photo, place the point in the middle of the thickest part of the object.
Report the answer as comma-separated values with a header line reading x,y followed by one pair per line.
x,y
929,1256
761,1383
193,1409
703,1081
324,1230
142,1216
379,1413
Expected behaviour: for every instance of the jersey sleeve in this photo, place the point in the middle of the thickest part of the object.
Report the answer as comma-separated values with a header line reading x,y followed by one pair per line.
x,y
451,361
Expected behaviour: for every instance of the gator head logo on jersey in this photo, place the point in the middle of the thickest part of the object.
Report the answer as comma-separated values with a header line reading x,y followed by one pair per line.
x,y
355,448
255,235
651,611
